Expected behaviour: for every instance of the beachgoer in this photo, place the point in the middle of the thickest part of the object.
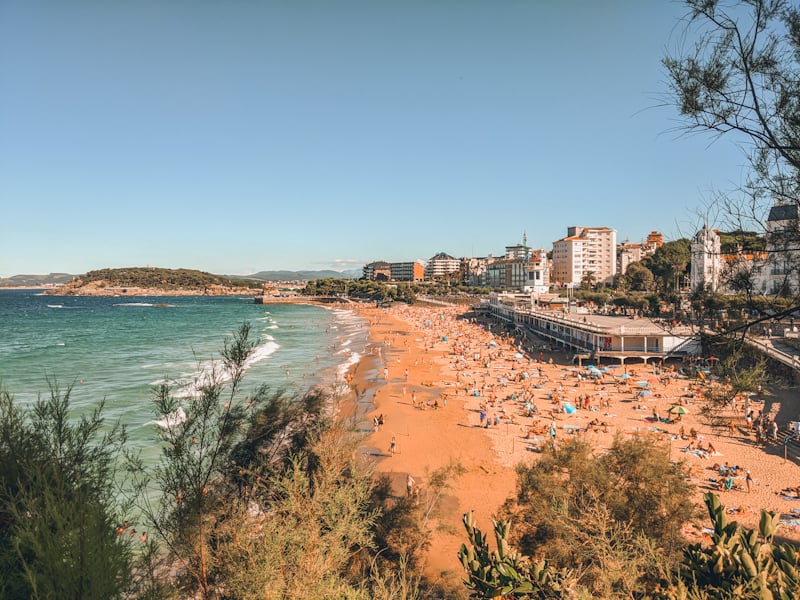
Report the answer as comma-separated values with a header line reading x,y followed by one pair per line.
x,y
410,484
748,480
393,446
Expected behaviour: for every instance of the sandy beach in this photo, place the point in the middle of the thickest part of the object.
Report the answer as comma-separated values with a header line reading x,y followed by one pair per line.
x,y
438,379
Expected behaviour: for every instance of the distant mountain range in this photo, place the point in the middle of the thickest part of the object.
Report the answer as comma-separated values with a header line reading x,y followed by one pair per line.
x,y
62,278
36,280
304,275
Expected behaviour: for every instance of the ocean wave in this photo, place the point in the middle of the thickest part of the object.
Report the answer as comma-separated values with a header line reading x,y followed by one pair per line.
x,y
55,306
133,304
343,368
171,420
214,372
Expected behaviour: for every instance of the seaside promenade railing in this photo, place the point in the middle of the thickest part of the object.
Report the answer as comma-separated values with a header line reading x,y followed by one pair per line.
x,y
767,347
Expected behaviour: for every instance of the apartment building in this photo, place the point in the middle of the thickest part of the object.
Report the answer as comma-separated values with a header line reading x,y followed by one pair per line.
x,y
379,270
407,271
628,253
585,250
442,265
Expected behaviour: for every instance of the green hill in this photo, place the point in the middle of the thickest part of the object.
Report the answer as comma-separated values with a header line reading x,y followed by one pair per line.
x,y
164,279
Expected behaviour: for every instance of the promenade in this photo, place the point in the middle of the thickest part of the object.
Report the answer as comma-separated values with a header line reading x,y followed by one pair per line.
x,y
596,336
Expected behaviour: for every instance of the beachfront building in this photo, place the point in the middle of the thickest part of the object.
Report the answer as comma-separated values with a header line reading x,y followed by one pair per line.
x,y
379,270
529,273
583,251
593,336
442,265
506,274
743,271
408,271
475,270
537,267
706,260
781,273
628,253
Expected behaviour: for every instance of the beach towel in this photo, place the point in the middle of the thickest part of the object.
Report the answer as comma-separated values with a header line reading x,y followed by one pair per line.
x,y
792,522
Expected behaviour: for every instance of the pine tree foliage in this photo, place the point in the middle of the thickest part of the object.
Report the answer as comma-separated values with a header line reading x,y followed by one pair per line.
x,y
58,509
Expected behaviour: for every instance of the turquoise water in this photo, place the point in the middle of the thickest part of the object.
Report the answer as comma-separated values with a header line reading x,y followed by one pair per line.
x,y
120,348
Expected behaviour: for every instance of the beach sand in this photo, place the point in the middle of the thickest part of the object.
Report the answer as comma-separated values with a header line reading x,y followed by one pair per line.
x,y
433,354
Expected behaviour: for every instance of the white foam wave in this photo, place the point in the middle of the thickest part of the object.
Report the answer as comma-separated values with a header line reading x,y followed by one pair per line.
x,y
133,304
343,368
170,420
55,306
214,372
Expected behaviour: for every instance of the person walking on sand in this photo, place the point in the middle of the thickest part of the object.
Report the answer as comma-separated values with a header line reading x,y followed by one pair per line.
x,y
410,483
393,446
747,481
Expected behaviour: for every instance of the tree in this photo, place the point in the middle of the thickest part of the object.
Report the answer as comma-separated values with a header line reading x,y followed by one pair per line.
x,y
638,278
196,446
610,518
60,533
741,79
589,280
669,265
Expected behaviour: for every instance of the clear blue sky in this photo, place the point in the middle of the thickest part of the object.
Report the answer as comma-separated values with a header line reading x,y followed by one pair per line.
x,y
239,136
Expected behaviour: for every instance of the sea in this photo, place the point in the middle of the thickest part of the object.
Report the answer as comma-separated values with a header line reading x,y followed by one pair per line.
x,y
118,349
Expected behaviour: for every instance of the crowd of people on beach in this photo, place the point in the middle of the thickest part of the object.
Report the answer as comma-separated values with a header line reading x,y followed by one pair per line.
x,y
527,393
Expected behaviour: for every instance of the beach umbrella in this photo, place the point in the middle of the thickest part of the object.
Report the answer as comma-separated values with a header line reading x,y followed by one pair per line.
x,y
525,374
569,408
644,393
604,369
643,383
625,376
518,356
677,409
712,358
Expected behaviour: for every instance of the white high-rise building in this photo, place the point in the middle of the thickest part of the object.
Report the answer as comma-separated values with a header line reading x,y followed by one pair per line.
x,y
441,265
706,260
585,250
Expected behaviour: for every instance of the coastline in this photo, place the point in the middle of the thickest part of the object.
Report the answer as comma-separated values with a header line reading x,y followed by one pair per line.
x,y
426,440
425,341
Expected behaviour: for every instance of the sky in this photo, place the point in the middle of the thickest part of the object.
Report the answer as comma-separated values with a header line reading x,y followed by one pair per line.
x,y
241,136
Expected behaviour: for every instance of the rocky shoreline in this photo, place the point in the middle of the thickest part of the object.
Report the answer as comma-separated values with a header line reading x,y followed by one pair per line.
x,y
102,288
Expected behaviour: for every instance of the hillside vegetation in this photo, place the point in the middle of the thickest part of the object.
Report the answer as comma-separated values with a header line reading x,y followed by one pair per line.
x,y
159,279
